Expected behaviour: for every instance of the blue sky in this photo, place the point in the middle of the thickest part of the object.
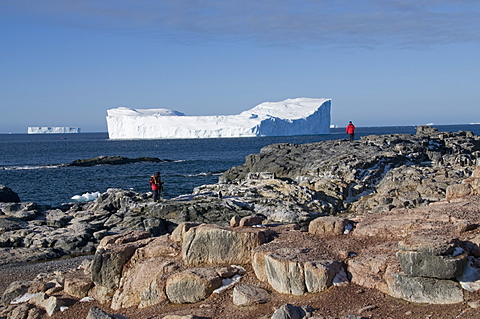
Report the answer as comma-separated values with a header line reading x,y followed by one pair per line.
x,y
382,62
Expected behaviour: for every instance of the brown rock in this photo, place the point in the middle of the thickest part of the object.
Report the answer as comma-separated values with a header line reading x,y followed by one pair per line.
x,y
248,295
78,285
144,276
192,285
251,221
459,191
180,230
210,244
327,225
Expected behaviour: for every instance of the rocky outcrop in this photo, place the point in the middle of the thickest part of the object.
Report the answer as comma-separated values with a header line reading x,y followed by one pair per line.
x,y
143,278
293,312
377,173
37,232
469,186
284,183
192,285
287,273
110,257
419,255
7,195
97,313
220,245
300,218
249,295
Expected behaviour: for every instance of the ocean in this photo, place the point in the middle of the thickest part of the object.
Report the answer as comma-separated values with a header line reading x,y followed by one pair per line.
x,y
30,164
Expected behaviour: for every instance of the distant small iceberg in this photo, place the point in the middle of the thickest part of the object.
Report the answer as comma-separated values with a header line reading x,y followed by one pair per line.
x,y
52,130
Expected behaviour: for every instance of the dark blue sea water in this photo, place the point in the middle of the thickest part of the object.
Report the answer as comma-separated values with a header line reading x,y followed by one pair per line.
x,y
29,163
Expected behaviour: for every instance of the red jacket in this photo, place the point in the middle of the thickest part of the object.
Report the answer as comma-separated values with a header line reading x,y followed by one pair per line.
x,y
350,128
156,183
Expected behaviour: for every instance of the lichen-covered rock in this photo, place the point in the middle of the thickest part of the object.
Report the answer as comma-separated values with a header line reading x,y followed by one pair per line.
x,y
289,311
248,295
251,221
293,271
210,244
424,290
435,258
97,313
459,191
328,226
368,269
111,256
192,285
180,230
319,275
285,273
78,285
144,276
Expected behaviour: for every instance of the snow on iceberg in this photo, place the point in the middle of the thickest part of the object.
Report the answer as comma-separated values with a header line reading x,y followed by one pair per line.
x,y
301,116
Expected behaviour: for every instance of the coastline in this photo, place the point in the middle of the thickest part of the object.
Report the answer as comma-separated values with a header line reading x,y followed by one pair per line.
x,y
296,191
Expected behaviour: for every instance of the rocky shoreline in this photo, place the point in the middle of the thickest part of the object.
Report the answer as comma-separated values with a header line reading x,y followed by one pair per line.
x,y
381,192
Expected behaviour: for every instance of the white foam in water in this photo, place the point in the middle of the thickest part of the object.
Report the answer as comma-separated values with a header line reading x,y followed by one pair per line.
x,y
12,168
301,116
87,197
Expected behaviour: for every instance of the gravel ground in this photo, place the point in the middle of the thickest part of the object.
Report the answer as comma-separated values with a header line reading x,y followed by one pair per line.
x,y
28,271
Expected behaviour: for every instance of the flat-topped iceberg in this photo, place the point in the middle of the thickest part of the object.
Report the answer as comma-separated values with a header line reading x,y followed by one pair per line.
x,y
301,116
52,130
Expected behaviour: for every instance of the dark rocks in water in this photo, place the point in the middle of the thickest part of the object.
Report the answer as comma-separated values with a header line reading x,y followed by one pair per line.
x,y
114,160
7,195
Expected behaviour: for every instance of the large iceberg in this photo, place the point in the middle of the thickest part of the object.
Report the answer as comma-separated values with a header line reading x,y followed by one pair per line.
x,y
52,130
301,116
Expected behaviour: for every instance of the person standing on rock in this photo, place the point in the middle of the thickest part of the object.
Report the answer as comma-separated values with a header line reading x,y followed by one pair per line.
x,y
351,131
157,186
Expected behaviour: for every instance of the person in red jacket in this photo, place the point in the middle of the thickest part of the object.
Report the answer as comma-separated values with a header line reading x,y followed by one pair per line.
x,y
157,186
351,130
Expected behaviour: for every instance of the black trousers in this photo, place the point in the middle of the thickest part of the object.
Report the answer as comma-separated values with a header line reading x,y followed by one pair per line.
x,y
156,195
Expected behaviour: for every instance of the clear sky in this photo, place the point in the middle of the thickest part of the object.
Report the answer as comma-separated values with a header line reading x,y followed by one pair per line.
x,y
382,62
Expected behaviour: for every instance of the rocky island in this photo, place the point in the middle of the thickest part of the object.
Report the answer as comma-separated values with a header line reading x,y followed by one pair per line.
x,y
384,227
